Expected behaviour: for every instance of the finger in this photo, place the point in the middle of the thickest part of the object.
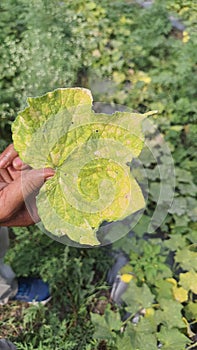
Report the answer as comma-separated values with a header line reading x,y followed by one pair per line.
x,y
5,176
32,180
30,201
22,189
19,165
2,185
22,218
7,156
48,173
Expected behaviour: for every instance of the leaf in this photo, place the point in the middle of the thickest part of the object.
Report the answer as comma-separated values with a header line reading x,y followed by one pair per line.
x,y
160,192
192,235
164,289
102,330
142,225
113,319
106,325
143,335
181,221
180,294
89,153
172,339
175,242
147,157
191,311
188,281
118,77
124,343
192,208
183,175
187,258
179,206
137,298
188,188
152,174
170,314
146,325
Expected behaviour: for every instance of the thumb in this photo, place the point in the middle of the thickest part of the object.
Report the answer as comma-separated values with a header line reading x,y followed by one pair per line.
x,y
32,180
19,165
24,189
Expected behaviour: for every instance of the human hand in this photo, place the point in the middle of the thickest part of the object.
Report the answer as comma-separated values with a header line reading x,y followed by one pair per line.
x,y
19,185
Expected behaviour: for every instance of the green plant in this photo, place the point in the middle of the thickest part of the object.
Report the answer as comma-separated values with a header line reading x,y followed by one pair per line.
x,y
133,56
75,277
39,53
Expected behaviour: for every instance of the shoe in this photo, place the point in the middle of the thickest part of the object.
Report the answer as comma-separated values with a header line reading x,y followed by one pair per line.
x,y
6,345
32,290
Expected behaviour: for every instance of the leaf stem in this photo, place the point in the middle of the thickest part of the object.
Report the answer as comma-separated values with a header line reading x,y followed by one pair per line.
x,y
128,319
192,346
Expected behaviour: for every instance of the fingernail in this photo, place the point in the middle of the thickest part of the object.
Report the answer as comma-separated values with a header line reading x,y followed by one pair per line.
x,y
49,177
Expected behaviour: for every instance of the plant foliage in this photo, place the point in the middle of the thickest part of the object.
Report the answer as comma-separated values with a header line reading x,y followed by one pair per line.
x,y
144,58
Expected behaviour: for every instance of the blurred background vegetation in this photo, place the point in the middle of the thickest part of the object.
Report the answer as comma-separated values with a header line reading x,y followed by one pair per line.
x,y
134,53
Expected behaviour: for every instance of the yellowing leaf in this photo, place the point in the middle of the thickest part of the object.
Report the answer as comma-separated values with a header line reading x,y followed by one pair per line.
x,y
141,76
89,152
186,37
123,20
172,281
189,281
118,77
126,277
149,312
189,331
187,258
180,294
